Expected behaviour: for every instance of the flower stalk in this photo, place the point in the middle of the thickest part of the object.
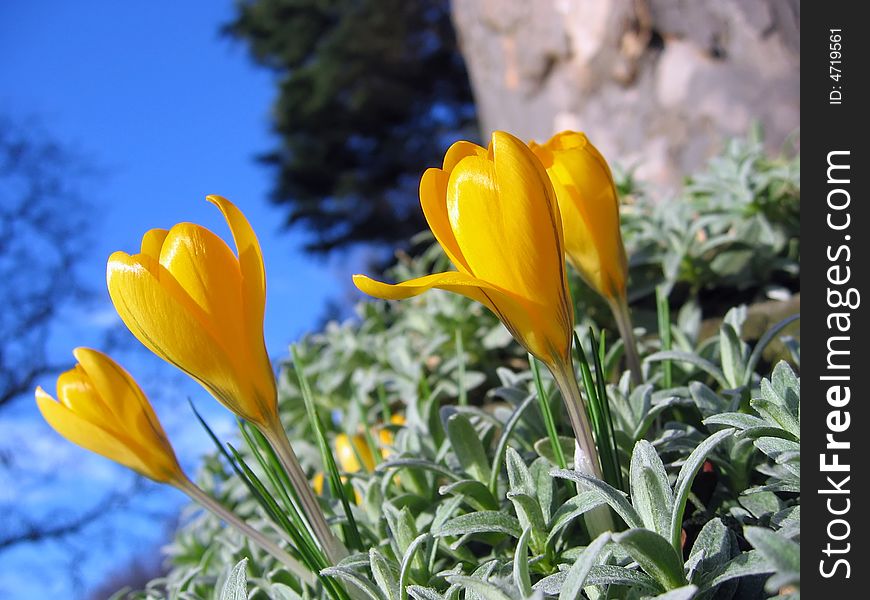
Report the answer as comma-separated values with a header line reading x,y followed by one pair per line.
x,y
622,315
332,547
219,510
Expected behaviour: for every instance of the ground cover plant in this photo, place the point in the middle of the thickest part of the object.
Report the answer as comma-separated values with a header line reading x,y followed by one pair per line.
x,y
438,446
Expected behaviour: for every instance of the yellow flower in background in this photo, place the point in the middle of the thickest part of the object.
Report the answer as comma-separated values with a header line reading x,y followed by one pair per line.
x,y
317,483
350,452
386,436
494,213
196,304
102,409
589,206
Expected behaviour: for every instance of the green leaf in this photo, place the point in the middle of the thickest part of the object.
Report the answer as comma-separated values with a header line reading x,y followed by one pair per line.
x,y
573,508
742,565
468,448
540,470
529,513
503,441
684,481
407,559
576,578
776,414
602,575
655,556
711,550
693,359
485,521
651,492
519,476
731,351
418,592
402,527
782,553
483,589
737,420
616,499
544,448
355,579
709,403
762,343
474,492
686,592
521,564
786,386
385,574
236,585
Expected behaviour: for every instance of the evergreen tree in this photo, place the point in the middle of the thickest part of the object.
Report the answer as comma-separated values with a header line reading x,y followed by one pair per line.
x,y
371,92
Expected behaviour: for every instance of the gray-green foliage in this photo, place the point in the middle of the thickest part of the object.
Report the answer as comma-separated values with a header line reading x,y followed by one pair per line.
x,y
467,498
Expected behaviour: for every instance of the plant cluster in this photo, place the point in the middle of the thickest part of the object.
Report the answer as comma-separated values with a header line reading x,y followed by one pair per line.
x,y
448,481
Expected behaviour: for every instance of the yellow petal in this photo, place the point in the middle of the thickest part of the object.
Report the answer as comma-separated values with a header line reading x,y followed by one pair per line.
x,y
251,264
76,391
433,195
253,273
503,214
132,412
208,271
94,438
531,324
152,241
589,207
166,320
349,456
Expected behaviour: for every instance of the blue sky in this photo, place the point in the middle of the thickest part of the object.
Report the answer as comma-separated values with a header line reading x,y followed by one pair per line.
x,y
168,110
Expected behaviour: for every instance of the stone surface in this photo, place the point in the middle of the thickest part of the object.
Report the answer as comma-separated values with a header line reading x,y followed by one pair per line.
x,y
656,84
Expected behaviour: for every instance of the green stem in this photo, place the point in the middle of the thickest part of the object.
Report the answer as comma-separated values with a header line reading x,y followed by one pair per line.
x,y
619,307
586,459
223,513
598,520
331,545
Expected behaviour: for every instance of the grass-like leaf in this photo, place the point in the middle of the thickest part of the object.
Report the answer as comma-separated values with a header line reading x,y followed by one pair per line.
x,y
521,564
577,574
684,481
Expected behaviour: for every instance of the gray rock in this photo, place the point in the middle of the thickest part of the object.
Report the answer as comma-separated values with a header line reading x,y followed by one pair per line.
x,y
656,84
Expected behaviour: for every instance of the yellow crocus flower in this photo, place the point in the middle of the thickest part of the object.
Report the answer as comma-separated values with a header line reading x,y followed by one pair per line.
x,y
199,306
102,409
351,451
589,206
317,483
494,213
386,436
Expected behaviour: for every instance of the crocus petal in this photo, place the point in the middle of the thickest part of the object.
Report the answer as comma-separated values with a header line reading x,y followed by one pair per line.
x,y
83,433
208,271
161,316
152,242
531,324
129,406
502,212
76,391
250,261
589,206
433,191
